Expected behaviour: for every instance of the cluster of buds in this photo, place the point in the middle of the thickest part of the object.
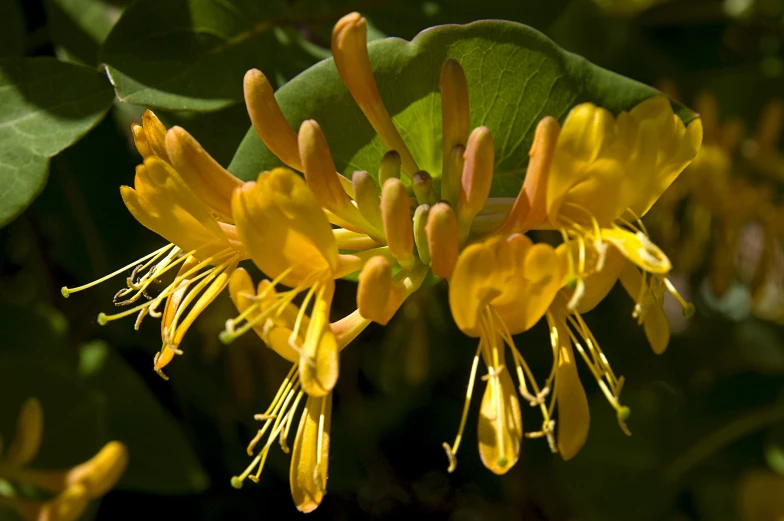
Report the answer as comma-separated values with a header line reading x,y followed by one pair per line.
x,y
589,180
66,493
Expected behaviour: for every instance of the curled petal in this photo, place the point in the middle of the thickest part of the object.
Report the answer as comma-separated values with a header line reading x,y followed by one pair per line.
x,y
310,456
500,429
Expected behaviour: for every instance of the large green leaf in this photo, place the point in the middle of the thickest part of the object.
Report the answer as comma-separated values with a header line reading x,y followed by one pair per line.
x,y
79,27
192,54
162,460
45,106
515,76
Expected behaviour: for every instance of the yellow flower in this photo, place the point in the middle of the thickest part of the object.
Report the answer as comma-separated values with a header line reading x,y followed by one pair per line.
x,y
500,287
275,319
70,490
184,196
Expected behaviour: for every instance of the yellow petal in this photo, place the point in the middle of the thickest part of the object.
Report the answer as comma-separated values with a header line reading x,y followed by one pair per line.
x,y
155,134
639,249
27,438
349,50
283,227
318,361
655,322
268,119
599,283
760,496
67,506
211,183
574,417
500,429
530,286
140,140
472,288
162,202
310,456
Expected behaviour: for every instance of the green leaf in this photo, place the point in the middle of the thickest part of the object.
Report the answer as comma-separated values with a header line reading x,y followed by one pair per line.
x,y
79,27
161,458
193,54
515,76
12,29
45,106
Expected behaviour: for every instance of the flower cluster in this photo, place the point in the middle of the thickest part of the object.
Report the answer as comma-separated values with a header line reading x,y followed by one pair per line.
x,y
589,180
723,216
61,495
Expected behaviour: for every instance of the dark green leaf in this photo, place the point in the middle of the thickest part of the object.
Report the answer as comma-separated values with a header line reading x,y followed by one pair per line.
x,y
193,54
79,27
45,106
161,458
12,29
515,75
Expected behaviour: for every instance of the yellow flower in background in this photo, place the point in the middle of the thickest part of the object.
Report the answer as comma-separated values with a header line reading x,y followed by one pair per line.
x,y
62,495
183,195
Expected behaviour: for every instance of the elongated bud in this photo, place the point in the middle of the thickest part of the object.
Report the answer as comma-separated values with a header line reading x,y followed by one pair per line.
x,y
349,49
211,183
422,184
155,133
442,239
374,290
268,119
451,181
454,118
530,207
396,213
319,168
420,233
367,198
27,439
389,167
101,472
476,179
310,456
140,140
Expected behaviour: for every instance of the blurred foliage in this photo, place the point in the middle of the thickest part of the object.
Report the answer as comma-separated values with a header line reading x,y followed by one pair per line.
x,y
707,416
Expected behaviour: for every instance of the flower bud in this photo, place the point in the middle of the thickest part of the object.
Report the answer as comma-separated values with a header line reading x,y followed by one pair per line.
x,y
349,50
422,184
476,179
396,214
268,119
367,199
389,167
374,290
420,233
442,239
27,439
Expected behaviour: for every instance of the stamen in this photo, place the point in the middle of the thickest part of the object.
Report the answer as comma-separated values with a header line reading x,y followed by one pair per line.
x,y
67,292
688,307
451,451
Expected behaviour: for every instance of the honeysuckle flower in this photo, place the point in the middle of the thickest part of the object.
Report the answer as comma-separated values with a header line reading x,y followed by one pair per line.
x,y
279,323
183,195
500,287
69,490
